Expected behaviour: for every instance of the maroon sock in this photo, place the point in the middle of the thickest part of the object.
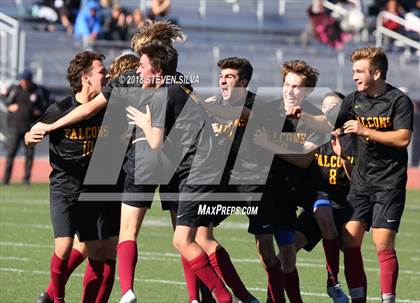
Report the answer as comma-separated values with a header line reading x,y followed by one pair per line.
x,y
107,282
291,285
75,259
127,260
191,280
332,258
388,264
223,266
92,281
275,279
58,272
355,274
205,272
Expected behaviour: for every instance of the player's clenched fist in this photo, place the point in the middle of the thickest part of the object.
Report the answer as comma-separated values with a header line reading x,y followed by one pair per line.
x,y
354,126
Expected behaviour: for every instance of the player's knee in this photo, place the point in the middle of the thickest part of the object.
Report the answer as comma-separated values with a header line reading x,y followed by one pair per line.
x,y
288,258
63,250
267,254
383,245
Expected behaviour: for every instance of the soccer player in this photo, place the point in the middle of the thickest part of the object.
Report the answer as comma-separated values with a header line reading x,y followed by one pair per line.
x,y
290,169
70,151
230,112
330,174
382,118
119,66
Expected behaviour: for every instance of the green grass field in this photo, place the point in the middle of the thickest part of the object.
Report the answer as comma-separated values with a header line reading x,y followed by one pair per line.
x,y
26,247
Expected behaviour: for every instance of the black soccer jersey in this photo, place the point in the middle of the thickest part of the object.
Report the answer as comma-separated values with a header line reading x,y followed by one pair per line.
x,y
328,168
70,148
379,165
292,136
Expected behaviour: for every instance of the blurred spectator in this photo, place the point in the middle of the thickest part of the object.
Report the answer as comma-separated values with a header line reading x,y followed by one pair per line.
x,y
67,9
416,9
114,26
354,21
25,103
87,26
54,10
394,8
159,10
134,23
325,28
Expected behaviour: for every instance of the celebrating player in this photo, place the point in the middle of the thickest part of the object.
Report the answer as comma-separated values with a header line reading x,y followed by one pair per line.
x,y
382,118
70,152
293,143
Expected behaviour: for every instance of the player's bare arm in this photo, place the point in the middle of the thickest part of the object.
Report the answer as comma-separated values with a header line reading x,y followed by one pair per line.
x,y
80,113
397,138
154,135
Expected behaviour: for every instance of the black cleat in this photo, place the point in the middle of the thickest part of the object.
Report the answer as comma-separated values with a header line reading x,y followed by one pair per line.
x,y
44,298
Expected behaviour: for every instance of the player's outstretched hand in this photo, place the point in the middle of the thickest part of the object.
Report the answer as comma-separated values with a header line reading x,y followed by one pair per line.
x,y
140,119
354,126
34,136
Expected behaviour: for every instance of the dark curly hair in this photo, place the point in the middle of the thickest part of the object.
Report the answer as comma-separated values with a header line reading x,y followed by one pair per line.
x,y
80,65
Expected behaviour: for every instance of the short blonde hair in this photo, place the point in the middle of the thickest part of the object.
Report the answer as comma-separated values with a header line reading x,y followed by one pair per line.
x,y
309,74
164,31
122,64
376,56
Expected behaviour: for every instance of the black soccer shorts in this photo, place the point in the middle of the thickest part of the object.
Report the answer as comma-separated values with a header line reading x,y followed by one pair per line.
x,y
378,208
89,220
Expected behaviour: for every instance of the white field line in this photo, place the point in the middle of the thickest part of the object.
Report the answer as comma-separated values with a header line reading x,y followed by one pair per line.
x,y
174,257
179,283
165,223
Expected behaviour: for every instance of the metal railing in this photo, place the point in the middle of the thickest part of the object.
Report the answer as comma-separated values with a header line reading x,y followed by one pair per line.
x,y
12,50
383,31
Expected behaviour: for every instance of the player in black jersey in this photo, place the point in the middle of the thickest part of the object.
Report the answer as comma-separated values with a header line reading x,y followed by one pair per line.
x,y
229,113
330,175
382,118
294,144
70,152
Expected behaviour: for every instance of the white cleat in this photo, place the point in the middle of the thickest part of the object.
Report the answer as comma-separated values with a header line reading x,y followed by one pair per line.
x,y
194,301
337,294
129,297
387,298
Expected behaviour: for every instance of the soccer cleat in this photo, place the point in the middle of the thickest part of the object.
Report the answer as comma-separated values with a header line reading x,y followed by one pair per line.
x,y
337,294
249,299
129,297
388,298
194,301
44,298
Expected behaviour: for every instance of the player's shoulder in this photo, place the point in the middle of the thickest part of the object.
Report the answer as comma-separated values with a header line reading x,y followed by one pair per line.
x,y
64,104
396,95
